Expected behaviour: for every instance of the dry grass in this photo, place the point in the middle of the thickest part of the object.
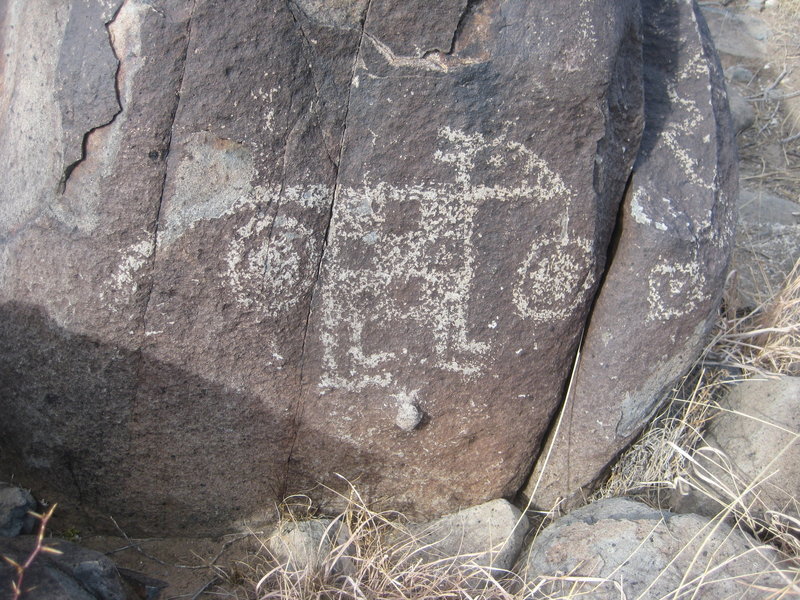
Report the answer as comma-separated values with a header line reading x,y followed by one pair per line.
x,y
375,555
765,341
18,590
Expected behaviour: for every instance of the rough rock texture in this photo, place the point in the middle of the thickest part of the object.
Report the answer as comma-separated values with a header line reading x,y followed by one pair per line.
x,y
742,111
767,246
489,535
238,239
307,546
759,464
15,506
739,37
75,574
630,550
661,292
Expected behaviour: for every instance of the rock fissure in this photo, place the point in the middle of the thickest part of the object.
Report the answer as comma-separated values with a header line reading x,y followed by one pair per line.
x,y
286,135
307,47
85,142
469,8
299,402
173,116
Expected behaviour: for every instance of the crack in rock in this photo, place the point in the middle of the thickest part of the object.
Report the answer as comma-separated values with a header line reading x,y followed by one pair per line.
x,y
87,64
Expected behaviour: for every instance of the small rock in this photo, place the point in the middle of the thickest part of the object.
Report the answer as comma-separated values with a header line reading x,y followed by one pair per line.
x,y
408,417
764,207
75,574
305,546
488,535
767,246
757,435
739,74
742,112
633,551
15,504
736,36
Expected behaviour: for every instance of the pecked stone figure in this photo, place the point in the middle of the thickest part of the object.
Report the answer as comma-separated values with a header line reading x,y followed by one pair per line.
x,y
247,248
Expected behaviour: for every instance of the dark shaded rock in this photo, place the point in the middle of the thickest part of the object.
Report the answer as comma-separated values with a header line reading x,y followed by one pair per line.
x,y
460,173
662,290
620,548
742,111
75,574
144,587
15,506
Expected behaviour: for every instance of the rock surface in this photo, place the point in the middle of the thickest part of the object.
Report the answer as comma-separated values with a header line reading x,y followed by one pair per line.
x,y
307,546
75,574
15,506
489,535
629,550
739,37
472,213
662,290
741,110
759,464
239,239
767,246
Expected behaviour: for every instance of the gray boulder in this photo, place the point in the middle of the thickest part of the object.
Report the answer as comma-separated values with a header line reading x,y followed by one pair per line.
x,y
767,246
240,240
487,536
751,455
15,507
738,37
662,289
309,547
74,574
619,548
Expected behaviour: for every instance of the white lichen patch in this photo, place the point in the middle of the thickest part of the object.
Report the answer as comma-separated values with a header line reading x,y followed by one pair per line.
x,y
213,178
124,282
420,278
640,215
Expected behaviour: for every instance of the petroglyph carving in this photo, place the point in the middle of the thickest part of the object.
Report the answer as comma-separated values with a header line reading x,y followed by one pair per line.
x,y
435,262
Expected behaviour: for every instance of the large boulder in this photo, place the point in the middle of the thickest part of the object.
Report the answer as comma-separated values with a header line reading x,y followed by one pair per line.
x,y
246,245
669,262
750,460
619,548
